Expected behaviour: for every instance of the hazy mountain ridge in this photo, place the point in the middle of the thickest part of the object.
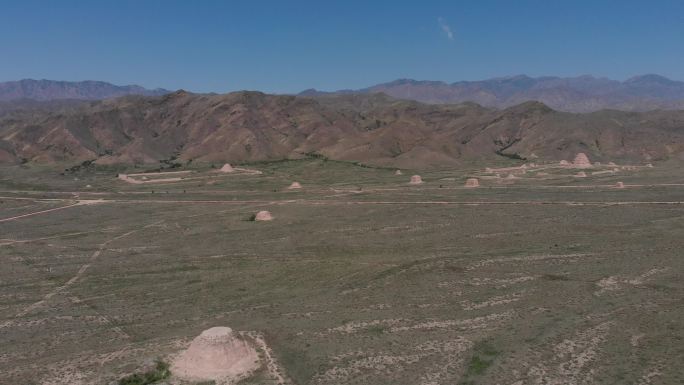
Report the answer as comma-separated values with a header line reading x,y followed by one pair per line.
x,y
575,94
46,90
373,129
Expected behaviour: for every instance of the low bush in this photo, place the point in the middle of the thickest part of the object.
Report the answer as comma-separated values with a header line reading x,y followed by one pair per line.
x,y
160,372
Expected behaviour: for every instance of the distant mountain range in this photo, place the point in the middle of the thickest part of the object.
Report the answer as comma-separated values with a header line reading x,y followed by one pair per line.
x,y
48,90
373,129
575,94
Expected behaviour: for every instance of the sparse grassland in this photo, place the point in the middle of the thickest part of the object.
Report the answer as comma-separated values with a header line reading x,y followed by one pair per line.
x,y
359,279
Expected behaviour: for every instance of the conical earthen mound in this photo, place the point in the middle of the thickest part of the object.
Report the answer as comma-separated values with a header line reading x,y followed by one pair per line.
x,y
416,179
398,172
295,185
581,160
227,168
217,354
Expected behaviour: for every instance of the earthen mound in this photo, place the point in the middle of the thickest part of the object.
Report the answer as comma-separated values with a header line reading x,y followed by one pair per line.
x,y
294,186
581,160
398,172
619,185
227,168
472,182
416,179
263,216
218,355
581,174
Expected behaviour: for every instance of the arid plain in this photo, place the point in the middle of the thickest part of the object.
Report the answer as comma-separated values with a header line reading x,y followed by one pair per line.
x,y
539,275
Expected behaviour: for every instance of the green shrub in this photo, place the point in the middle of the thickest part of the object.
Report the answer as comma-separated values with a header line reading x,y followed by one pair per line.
x,y
160,372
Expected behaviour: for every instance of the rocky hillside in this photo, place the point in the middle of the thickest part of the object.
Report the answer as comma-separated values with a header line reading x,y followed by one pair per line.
x,y
373,129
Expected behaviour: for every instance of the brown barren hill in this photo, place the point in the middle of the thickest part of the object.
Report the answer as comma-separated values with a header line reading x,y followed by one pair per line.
x,y
373,129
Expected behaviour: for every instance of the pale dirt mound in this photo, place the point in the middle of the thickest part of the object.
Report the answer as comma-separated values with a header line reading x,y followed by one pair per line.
x,y
263,216
295,185
511,176
581,160
612,164
472,182
218,355
581,174
649,165
416,179
227,168
398,172
564,163
619,185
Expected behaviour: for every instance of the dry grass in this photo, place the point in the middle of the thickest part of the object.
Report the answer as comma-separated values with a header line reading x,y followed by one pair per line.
x,y
360,279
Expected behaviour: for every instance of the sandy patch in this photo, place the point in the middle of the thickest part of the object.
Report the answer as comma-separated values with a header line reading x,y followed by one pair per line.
x,y
570,363
615,282
354,364
468,324
494,301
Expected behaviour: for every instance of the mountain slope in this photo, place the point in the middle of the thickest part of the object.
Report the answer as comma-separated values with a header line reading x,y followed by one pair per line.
x,y
374,129
578,94
43,90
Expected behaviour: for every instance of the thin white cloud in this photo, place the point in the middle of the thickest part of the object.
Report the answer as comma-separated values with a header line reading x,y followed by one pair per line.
x,y
445,28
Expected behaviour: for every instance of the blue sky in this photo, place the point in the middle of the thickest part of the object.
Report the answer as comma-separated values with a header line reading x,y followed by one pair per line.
x,y
287,46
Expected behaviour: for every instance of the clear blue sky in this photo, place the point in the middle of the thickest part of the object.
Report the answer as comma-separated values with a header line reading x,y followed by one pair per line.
x,y
287,46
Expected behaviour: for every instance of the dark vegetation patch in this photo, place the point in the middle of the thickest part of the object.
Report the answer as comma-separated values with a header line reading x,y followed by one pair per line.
x,y
84,166
159,372
483,357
